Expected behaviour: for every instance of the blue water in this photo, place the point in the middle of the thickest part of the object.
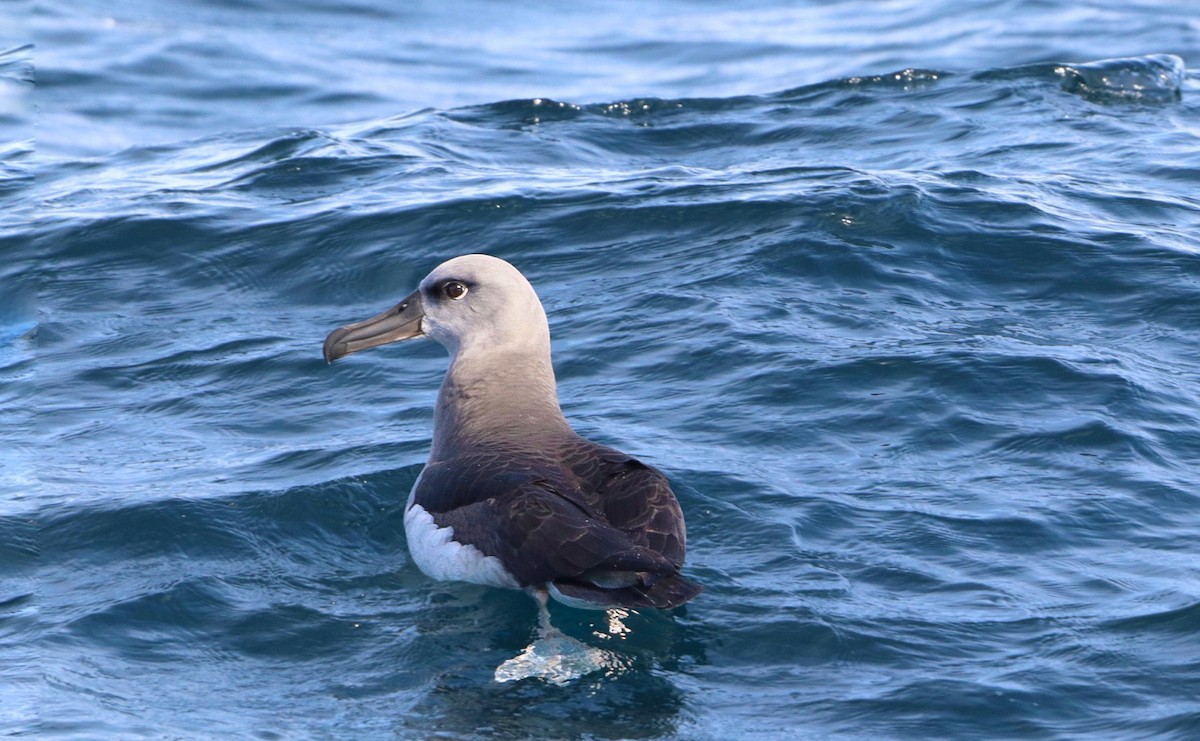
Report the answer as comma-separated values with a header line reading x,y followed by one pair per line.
x,y
903,296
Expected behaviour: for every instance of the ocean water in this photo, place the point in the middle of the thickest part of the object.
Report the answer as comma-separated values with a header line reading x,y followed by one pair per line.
x,y
904,297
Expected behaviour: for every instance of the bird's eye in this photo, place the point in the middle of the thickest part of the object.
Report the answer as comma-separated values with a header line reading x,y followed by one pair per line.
x,y
454,289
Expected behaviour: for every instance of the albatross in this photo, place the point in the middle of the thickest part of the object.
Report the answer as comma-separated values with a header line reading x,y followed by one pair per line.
x,y
511,496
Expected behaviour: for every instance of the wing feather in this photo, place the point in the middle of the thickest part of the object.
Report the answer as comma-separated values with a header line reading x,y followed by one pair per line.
x,y
597,523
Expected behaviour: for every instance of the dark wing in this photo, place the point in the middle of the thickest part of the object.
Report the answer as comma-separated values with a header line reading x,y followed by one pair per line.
x,y
540,529
601,526
633,497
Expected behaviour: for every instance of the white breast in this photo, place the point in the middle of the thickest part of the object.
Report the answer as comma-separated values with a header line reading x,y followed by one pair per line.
x,y
436,553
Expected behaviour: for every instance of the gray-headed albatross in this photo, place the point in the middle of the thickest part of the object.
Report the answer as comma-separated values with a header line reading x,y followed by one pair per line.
x,y
511,495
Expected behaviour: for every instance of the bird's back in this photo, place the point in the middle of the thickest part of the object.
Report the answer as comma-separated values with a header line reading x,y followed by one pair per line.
x,y
598,526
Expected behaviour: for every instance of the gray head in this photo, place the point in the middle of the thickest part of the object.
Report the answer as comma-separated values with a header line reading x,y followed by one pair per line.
x,y
474,304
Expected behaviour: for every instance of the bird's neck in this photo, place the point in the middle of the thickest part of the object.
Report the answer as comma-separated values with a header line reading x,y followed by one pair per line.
x,y
510,398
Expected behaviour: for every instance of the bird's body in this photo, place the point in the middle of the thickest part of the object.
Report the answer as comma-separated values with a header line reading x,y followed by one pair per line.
x,y
511,496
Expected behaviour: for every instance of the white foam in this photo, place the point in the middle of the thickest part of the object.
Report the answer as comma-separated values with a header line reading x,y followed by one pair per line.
x,y
556,658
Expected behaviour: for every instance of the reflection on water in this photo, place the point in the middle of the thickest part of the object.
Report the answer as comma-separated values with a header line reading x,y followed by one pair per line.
x,y
557,658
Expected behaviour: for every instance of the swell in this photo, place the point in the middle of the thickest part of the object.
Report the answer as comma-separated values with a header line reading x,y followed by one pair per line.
x,y
915,350
112,558
478,148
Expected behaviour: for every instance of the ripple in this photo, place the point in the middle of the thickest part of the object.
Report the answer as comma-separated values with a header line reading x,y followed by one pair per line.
x,y
913,336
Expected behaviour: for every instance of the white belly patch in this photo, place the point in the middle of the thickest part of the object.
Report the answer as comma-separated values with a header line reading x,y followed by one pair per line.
x,y
437,554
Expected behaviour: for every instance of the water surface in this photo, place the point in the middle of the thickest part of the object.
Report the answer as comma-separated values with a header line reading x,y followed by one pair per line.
x,y
903,297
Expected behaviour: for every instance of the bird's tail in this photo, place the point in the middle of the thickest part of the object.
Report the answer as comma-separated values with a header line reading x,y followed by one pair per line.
x,y
656,590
